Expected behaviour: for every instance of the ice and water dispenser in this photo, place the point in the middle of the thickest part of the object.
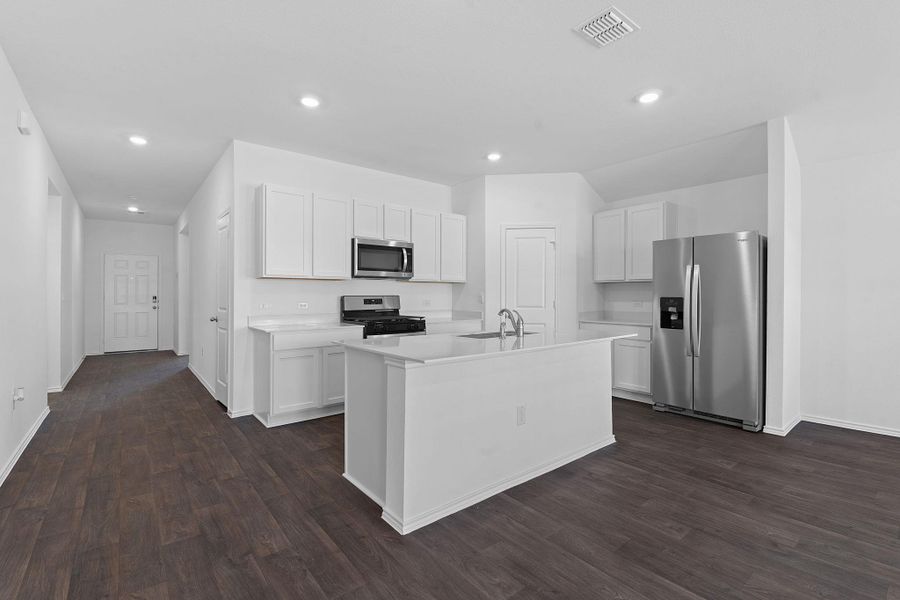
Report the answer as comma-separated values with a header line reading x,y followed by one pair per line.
x,y
671,313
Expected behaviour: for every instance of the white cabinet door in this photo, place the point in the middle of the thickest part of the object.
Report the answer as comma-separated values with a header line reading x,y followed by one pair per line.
x,y
331,236
426,237
296,380
368,219
453,247
332,375
631,365
646,224
609,245
285,232
396,222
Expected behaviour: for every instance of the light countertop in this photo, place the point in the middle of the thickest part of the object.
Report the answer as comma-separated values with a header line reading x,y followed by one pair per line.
x,y
639,319
295,324
430,349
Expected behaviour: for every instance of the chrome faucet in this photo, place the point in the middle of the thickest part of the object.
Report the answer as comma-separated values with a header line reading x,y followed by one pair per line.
x,y
515,318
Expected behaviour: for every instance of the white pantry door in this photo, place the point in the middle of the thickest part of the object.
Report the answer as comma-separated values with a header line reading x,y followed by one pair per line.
x,y
130,302
223,305
530,276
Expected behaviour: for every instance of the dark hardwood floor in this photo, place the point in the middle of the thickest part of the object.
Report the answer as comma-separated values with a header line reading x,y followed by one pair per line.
x,y
138,486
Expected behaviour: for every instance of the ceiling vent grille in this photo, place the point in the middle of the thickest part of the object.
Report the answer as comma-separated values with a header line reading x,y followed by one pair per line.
x,y
607,27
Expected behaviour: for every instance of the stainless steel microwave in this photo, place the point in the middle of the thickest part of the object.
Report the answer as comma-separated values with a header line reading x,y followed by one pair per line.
x,y
382,259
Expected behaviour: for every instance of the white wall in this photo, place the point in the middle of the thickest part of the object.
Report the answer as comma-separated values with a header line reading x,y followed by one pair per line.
x,y
26,166
562,199
183,292
468,199
851,290
214,197
783,315
121,237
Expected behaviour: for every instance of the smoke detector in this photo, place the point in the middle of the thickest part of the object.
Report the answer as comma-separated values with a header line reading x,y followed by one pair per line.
x,y
607,27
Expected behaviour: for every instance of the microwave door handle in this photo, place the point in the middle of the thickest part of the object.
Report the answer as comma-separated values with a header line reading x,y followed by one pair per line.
x,y
405,260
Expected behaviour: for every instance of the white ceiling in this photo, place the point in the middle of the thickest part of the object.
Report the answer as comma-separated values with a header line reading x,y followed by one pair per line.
x,y
737,154
422,87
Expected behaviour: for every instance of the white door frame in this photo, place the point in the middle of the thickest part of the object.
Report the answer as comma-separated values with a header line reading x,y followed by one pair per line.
x,y
505,227
103,295
229,400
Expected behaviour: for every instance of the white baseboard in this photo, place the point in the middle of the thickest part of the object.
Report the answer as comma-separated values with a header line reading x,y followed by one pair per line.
x,y
209,388
365,490
234,414
56,390
428,517
633,396
783,431
852,425
7,469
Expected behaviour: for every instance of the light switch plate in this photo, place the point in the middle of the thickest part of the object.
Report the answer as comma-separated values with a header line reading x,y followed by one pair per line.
x,y
303,305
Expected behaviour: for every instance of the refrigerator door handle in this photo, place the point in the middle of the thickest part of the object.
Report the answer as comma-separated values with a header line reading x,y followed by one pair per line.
x,y
695,310
688,337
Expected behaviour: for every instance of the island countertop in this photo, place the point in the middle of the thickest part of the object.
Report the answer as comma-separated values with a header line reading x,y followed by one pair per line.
x,y
431,349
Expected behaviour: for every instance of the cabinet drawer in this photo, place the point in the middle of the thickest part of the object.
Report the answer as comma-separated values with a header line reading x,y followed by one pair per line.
x,y
642,333
313,339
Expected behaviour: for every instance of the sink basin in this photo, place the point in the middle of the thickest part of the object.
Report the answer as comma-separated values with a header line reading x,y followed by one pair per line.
x,y
491,334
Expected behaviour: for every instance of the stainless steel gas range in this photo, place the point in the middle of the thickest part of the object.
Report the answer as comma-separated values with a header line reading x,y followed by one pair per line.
x,y
380,315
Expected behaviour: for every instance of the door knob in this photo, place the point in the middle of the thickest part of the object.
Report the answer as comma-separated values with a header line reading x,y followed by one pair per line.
x,y
214,319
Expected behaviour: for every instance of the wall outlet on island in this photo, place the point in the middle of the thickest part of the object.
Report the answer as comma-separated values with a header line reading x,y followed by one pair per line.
x,y
303,305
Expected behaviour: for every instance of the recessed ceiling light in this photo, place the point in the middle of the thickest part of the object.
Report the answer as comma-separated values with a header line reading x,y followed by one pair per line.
x,y
138,140
494,156
133,209
310,101
649,97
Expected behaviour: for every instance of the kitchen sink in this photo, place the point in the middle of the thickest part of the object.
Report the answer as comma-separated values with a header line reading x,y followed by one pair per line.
x,y
486,335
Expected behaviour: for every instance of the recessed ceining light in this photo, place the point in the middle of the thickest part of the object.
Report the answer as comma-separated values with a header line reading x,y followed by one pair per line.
x,y
649,97
133,209
494,156
310,101
138,140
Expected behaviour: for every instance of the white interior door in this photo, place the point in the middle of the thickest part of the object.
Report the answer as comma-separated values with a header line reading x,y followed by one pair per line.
x,y
530,276
223,305
130,302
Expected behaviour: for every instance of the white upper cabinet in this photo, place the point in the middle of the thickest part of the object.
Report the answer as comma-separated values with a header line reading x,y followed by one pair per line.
x,y
425,229
453,247
609,245
285,234
332,227
397,222
623,240
645,225
368,219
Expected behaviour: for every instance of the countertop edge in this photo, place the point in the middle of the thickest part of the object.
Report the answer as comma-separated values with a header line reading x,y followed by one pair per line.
x,y
469,357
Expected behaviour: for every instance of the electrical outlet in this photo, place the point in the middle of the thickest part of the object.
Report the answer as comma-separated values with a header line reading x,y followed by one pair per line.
x,y
18,395
303,305
520,415
265,306
481,299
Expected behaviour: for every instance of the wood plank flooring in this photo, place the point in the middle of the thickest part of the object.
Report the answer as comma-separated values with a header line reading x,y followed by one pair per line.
x,y
138,486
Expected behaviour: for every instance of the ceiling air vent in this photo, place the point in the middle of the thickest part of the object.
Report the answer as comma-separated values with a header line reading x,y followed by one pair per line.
x,y
607,27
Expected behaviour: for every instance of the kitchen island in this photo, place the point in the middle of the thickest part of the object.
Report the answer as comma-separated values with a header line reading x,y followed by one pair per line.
x,y
436,423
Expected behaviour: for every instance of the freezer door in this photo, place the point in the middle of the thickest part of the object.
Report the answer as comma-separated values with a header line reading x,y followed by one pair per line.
x,y
671,373
727,337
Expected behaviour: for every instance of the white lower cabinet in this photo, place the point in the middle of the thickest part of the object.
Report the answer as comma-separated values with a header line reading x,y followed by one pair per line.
x,y
295,380
299,376
631,357
332,375
631,366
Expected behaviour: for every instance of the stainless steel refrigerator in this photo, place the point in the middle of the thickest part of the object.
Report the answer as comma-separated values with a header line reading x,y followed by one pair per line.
x,y
709,299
